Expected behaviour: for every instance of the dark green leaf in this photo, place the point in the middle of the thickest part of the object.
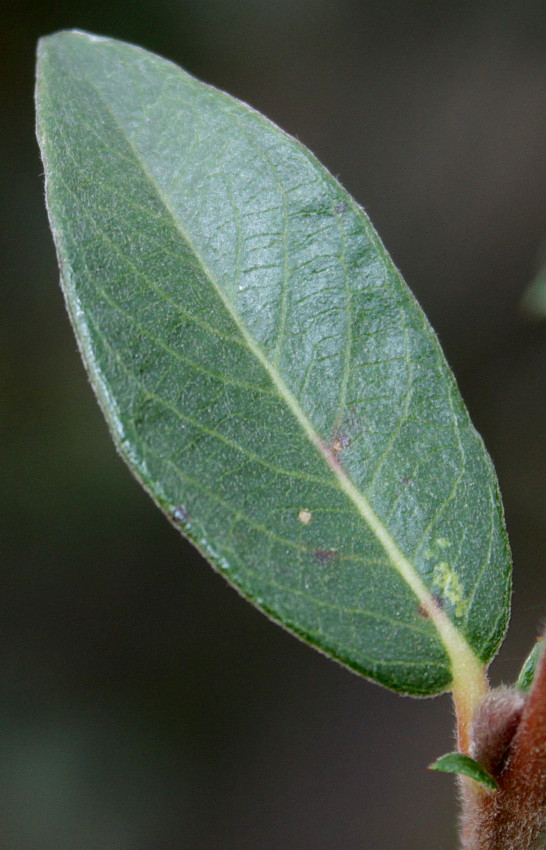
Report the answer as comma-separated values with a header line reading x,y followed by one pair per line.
x,y
264,370
459,763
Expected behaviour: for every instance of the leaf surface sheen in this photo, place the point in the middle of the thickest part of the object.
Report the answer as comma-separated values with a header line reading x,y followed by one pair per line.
x,y
264,369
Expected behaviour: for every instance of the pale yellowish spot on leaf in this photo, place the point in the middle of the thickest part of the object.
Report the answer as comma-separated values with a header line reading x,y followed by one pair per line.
x,y
450,587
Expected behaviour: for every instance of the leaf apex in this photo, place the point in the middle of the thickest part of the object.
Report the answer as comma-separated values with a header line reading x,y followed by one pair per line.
x,y
527,672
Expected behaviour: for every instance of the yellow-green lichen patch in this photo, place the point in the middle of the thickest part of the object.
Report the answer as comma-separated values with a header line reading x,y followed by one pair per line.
x,y
448,583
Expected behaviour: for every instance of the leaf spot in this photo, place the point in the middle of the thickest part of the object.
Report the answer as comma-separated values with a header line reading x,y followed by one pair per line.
x,y
180,514
450,586
422,611
340,442
324,555
331,455
304,516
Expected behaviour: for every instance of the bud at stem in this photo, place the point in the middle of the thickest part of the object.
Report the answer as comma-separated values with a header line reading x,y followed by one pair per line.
x,y
508,738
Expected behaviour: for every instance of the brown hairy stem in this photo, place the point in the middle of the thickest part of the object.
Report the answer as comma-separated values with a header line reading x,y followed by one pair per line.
x,y
508,737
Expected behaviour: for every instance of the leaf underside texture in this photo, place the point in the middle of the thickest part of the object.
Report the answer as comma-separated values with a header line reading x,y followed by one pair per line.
x,y
264,370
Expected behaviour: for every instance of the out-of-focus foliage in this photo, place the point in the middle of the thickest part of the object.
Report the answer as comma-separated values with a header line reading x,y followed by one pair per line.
x,y
534,298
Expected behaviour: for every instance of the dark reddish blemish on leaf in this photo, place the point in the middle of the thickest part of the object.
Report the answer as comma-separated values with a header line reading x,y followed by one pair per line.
x,y
332,451
324,555
422,611
330,455
405,479
341,441
180,514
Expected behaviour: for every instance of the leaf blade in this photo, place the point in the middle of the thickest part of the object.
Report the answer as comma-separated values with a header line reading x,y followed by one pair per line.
x,y
272,247
463,764
527,672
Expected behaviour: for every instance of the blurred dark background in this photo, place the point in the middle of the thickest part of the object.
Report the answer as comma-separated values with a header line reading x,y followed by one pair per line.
x,y
143,704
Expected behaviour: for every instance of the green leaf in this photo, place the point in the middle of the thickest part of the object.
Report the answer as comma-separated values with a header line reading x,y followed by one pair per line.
x,y
459,763
528,670
264,370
